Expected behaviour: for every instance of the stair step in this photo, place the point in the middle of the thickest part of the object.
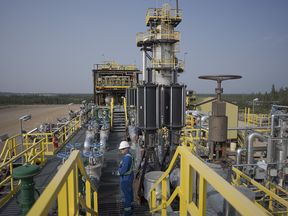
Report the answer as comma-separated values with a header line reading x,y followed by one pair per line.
x,y
118,130
118,125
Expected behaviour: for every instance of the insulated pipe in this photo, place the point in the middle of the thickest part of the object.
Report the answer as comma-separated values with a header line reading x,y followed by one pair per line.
x,y
196,112
272,121
203,119
251,136
241,150
247,128
144,64
270,143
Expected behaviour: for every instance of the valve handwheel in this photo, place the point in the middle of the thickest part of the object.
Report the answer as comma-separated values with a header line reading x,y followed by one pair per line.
x,y
219,79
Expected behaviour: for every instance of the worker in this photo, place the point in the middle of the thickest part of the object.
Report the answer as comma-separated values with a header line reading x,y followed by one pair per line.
x,y
125,171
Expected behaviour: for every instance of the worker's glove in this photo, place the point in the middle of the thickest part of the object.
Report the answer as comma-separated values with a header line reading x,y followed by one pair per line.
x,y
113,172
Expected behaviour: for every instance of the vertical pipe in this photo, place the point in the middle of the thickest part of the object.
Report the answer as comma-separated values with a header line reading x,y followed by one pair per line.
x,y
145,110
250,152
218,93
144,64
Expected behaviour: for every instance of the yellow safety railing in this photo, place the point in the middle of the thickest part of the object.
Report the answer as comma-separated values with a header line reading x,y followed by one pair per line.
x,y
64,133
167,63
167,34
190,135
33,154
159,13
112,65
64,186
241,141
271,195
112,108
188,163
125,110
189,121
256,119
175,48
114,82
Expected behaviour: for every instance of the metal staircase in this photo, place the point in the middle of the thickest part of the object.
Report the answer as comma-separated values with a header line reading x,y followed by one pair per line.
x,y
119,121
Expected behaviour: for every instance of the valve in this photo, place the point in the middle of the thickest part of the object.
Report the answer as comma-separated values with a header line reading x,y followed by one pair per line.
x,y
218,121
219,79
26,174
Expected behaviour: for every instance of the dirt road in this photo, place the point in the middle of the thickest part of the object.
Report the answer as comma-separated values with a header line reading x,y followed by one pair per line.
x,y
9,116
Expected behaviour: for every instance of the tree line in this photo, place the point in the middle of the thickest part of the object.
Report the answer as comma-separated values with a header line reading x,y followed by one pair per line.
x,y
263,105
36,99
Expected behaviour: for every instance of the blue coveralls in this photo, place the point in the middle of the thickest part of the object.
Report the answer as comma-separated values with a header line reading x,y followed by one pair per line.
x,y
126,182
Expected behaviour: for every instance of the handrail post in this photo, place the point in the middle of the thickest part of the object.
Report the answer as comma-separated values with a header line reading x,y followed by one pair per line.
x,y
88,196
125,109
153,199
164,196
202,195
112,107
183,170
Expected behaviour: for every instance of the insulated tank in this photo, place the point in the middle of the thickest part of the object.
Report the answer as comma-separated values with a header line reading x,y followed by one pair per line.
x,y
148,107
174,100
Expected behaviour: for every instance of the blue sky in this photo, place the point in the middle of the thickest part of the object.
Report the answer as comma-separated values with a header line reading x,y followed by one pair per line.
x,y
50,46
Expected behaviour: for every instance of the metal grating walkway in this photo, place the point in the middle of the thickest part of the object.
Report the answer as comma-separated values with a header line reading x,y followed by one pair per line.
x,y
109,199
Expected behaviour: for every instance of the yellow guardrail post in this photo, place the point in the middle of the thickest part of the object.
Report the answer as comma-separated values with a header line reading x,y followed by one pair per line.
x,y
112,108
188,162
125,109
64,186
164,196
33,159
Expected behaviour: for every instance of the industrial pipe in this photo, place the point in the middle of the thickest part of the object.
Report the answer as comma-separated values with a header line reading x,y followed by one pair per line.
x,y
272,121
204,118
247,128
241,150
251,137
270,142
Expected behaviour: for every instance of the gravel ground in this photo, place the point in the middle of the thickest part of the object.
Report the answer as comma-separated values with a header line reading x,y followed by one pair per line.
x,y
9,117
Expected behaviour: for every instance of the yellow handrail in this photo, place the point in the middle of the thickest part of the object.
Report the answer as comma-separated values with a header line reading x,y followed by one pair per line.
x,y
36,154
114,82
188,163
167,34
64,186
167,63
159,13
125,110
112,108
66,131
274,198
112,65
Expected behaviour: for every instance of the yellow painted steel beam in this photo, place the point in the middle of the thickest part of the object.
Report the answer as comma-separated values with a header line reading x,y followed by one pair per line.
x,y
189,162
8,196
112,108
64,185
125,110
241,203
261,187
83,204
